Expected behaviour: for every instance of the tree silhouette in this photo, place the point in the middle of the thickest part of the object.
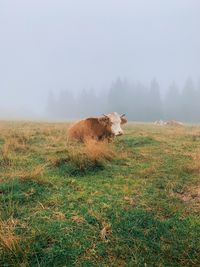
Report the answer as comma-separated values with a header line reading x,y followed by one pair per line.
x,y
154,105
172,103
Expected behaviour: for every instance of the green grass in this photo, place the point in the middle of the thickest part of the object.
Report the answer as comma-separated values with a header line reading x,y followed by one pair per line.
x,y
137,204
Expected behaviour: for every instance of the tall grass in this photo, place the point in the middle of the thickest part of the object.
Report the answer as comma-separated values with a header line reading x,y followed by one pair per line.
x,y
195,161
5,154
9,240
82,157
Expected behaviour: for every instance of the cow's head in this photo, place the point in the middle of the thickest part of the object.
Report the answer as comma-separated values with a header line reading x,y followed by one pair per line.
x,y
115,121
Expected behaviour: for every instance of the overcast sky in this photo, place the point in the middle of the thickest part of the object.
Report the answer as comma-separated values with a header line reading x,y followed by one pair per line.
x,y
74,44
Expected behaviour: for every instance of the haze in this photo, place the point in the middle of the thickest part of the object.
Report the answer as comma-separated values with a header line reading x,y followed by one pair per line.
x,y
48,47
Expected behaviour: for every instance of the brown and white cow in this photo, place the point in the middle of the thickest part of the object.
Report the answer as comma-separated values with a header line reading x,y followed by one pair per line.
x,y
98,128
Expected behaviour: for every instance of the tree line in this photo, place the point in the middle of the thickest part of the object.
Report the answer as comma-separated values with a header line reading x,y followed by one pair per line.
x,y
138,101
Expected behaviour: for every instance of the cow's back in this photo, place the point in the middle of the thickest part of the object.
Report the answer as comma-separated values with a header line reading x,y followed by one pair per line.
x,y
84,129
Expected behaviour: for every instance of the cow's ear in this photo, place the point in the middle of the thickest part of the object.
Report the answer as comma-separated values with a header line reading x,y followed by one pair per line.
x,y
104,120
123,120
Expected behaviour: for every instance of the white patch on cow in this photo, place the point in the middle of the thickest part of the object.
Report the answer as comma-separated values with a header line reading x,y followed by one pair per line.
x,y
116,123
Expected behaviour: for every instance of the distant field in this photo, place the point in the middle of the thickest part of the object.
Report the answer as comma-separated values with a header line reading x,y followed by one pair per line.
x,y
135,202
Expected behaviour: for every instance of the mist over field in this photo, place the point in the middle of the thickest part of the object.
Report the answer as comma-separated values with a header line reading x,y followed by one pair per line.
x,y
62,60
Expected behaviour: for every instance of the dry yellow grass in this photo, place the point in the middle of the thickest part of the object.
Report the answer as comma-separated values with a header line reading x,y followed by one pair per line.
x,y
194,166
78,219
99,150
33,175
5,154
58,215
13,141
82,155
8,239
105,231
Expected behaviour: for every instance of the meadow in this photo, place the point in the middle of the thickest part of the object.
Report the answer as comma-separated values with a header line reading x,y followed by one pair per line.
x,y
134,202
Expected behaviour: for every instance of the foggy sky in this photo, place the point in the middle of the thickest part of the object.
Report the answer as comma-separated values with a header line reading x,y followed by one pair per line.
x,y
55,45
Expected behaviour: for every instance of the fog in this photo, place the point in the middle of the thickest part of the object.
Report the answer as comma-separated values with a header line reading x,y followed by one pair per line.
x,y
66,59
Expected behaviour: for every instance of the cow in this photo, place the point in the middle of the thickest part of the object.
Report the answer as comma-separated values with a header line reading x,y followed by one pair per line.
x,y
169,123
159,122
174,123
101,128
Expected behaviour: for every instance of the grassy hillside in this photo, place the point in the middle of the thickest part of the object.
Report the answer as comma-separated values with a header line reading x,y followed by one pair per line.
x,y
135,202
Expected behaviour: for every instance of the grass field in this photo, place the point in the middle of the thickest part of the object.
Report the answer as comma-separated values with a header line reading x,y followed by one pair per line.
x,y
135,202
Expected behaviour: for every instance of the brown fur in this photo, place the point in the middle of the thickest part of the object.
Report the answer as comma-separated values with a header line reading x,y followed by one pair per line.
x,y
91,128
123,120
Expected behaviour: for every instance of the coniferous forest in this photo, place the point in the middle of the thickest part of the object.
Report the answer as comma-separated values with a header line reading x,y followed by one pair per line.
x,y
140,102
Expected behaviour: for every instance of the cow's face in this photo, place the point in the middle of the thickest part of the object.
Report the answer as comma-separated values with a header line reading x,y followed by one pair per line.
x,y
116,120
